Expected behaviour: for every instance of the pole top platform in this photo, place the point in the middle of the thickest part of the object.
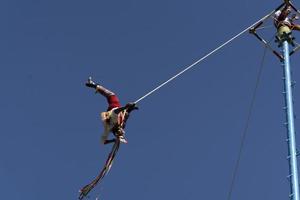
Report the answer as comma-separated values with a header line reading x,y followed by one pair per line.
x,y
283,19
284,33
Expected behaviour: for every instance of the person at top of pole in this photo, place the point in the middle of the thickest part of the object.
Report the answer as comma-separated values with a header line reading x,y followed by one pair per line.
x,y
114,119
282,18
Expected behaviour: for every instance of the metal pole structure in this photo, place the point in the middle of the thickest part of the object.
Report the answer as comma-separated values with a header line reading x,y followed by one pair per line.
x,y
292,151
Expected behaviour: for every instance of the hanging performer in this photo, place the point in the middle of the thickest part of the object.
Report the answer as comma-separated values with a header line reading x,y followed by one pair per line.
x,y
114,119
282,18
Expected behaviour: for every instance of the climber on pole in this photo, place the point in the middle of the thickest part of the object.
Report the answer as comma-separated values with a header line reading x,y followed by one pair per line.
x,y
282,18
114,119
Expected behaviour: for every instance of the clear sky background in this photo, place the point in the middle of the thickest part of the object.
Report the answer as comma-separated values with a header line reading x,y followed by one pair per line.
x,y
184,140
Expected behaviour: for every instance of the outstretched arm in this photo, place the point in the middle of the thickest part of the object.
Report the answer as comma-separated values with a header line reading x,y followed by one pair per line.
x,y
129,107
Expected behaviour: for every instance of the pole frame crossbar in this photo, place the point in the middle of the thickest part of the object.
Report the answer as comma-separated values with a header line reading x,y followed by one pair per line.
x,y
259,24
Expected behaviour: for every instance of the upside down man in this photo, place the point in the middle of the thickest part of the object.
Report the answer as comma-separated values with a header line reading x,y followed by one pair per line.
x,y
114,119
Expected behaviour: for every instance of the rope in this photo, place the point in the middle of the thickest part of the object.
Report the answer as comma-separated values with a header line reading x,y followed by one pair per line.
x,y
265,27
237,164
201,59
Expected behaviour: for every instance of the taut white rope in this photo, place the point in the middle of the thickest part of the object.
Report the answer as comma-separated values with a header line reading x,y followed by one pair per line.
x,y
204,57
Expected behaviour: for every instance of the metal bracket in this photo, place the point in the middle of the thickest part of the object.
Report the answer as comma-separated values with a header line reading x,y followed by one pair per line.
x,y
285,37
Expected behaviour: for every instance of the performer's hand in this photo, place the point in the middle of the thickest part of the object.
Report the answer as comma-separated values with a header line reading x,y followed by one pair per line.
x,y
131,106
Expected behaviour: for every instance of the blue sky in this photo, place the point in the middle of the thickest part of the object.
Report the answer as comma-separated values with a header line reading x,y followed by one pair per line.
x,y
184,140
